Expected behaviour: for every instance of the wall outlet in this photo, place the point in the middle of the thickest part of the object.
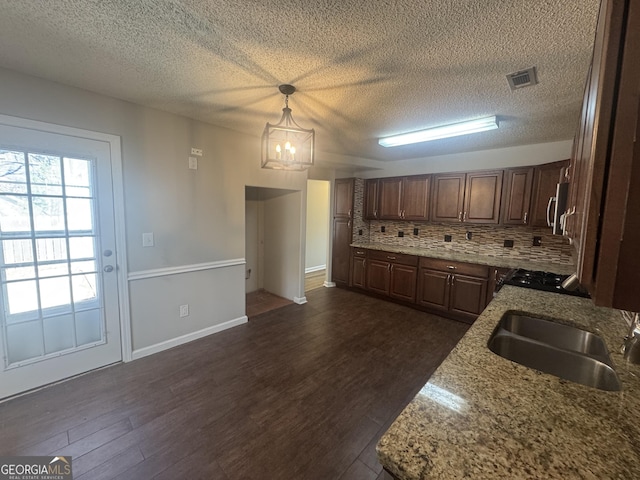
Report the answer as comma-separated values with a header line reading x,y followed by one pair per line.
x,y
248,274
184,311
360,232
382,229
537,241
508,243
416,231
147,239
401,234
447,238
196,151
193,163
468,235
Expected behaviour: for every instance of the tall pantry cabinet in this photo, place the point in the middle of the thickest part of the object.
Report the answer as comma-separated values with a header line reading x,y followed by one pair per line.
x,y
342,230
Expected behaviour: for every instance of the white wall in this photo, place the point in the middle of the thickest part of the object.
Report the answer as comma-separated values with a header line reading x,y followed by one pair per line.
x,y
254,216
198,217
317,235
283,253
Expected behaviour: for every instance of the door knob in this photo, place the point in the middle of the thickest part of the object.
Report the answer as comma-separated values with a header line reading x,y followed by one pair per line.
x,y
107,253
108,268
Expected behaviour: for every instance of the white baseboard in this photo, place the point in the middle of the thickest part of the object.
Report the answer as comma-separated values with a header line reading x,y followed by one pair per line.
x,y
300,300
189,337
329,284
315,269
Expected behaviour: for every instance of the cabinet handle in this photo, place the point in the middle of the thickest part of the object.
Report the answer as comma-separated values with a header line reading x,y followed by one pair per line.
x,y
375,213
451,267
551,200
460,216
453,279
349,214
495,275
464,217
349,223
390,257
526,214
364,263
359,253
389,267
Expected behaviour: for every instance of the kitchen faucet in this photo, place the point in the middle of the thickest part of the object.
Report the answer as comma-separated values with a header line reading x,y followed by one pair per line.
x,y
631,346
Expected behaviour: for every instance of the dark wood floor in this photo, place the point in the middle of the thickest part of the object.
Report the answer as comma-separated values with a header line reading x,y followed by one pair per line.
x,y
303,392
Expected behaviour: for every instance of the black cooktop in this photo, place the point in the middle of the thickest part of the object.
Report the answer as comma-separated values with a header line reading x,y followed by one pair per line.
x,y
548,282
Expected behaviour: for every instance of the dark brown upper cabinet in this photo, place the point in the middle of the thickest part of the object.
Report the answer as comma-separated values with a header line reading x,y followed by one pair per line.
x,y
447,201
404,198
467,197
370,210
343,198
516,196
545,179
606,173
482,197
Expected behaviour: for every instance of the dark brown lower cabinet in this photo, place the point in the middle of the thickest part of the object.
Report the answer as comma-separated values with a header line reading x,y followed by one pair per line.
x,y
451,289
454,289
358,266
378,276
392,274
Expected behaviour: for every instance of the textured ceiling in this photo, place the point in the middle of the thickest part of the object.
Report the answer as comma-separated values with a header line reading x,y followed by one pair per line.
x,y
363,68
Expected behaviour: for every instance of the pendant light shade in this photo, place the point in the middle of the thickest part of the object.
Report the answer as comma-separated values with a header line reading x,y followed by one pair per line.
x,y
286,145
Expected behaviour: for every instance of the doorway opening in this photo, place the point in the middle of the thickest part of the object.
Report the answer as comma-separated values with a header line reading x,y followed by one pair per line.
x,y
272,248
317,235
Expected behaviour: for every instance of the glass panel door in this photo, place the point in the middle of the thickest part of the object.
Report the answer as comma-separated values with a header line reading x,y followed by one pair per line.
x,y
58,288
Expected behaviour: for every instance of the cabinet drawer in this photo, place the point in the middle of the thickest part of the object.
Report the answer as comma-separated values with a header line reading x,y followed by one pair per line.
x,y
481,271
400,258
359,252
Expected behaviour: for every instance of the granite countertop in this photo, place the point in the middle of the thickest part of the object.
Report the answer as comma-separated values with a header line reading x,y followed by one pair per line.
x,y
481,416
492,261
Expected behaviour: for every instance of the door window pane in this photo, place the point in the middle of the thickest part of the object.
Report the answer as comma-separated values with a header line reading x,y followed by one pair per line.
x,y
22,297
17,251
81,247
77,177
48,213
24,341
46,174
58,333
51,249
13,175
18,273
14,214
53,270
55,292
84,287
82,218
83,267
89,326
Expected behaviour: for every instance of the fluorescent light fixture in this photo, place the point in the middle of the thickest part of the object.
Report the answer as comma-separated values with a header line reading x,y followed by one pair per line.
x,y
443,131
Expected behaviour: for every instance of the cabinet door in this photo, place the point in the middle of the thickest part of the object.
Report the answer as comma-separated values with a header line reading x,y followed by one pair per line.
x,y
341,252
482,197
390,198
516,196
415,197
403,282
433,289
371,199
448,197
343,198
378,276
468,296
358,266
545,180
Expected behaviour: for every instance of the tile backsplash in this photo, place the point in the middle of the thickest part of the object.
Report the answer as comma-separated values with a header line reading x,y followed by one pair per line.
x,y
484,239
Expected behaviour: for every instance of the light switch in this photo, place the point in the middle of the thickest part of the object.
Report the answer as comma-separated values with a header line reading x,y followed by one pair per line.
x,y
147,239
193,163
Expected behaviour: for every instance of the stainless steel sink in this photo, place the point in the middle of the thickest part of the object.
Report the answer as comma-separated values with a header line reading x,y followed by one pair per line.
x,y
561,350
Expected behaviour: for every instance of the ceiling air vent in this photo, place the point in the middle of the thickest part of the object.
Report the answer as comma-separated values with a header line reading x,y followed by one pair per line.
x,y
523,78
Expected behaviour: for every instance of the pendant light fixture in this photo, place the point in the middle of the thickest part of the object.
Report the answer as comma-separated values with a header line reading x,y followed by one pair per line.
x,y
286,145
